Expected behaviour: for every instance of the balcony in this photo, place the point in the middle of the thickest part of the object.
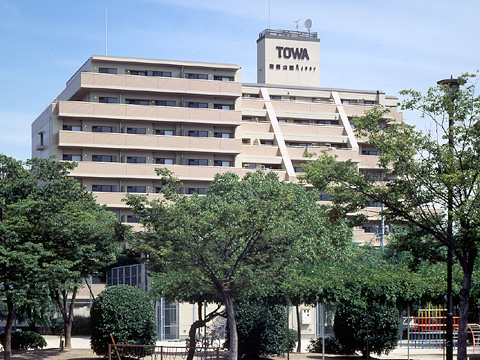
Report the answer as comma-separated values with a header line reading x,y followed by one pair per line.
x,y
102,170
152,84
84,139
84,110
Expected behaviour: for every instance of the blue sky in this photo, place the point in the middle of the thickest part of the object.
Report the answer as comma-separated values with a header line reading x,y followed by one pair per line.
x,y
370,45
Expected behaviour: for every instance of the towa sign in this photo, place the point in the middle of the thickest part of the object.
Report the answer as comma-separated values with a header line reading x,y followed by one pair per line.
x,y
289,52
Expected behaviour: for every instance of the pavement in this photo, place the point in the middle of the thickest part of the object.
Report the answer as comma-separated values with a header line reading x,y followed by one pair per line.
x,y
401,352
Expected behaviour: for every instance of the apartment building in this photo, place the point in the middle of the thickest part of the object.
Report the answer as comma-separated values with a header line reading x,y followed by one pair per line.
x,y
121,118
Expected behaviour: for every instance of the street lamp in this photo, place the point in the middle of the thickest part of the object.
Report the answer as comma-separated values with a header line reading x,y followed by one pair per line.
x,y
453,85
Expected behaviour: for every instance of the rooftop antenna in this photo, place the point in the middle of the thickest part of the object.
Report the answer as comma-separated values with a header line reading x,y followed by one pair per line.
x,y
296,23
307,25
269,14
105,27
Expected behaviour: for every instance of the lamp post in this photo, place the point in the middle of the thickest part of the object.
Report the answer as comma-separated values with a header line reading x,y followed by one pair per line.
x,y
453,85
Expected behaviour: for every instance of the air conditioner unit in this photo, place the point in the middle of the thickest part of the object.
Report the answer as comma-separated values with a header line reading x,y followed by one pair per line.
x,y
306,317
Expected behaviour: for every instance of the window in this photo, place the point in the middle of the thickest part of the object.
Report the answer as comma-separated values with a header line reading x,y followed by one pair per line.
x,y
166,103
223,107
285,67
69,157
291,68
266,142
223,78
137,102
373,204
164,132
324,197
199,105
199,162
292,98
314,100
222,163
164,161
107,70
141,131
72,127
104,188
222,135
369,152
132,219
196,76
282,121
326,122
246,118
108,129
278,67
301,122
136,189
151,73
249,166
297,169
275,97
107,100
368,102
370,229
197,133
136,160
104,158
346,102
199,191
272,66
246,141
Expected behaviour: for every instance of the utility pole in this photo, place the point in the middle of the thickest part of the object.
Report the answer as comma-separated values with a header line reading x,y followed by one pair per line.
x,y
453,85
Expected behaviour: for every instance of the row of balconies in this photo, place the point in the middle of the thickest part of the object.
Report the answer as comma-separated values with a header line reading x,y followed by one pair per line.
x,y
82,110
87,81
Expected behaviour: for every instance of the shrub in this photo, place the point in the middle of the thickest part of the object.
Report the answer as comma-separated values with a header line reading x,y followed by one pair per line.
x,y
350,326
292,339
25,340
81,326
332,346
127,313
262,329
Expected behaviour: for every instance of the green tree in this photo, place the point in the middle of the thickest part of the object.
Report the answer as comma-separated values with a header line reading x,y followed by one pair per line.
x,y
52,232
238,237
431,173
262,328
126,313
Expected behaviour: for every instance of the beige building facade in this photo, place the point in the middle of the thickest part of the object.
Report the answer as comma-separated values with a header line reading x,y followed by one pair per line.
x,y
121,118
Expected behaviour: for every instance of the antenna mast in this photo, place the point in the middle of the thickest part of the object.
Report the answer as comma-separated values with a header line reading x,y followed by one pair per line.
x,y
105,27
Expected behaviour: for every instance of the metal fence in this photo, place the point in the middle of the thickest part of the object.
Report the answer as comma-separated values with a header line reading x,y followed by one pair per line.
x,y
150,352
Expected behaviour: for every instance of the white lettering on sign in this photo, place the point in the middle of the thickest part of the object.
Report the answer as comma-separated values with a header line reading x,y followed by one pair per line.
x,y
288,52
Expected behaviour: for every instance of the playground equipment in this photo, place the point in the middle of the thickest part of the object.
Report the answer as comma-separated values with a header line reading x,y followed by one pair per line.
x,y
428,329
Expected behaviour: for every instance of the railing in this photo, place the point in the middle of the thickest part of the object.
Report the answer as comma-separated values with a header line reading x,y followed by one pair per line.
x,y
150,352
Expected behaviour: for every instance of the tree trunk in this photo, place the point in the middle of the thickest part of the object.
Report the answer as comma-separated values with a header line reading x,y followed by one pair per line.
x,y
192,333
463,318
299,330
232,326
67,317
196,325
7,352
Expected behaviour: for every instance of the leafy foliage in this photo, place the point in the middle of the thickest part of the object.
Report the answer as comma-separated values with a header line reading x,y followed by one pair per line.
x,y
53,234
435,175
262,328
240,236
24,340
127,313
375,322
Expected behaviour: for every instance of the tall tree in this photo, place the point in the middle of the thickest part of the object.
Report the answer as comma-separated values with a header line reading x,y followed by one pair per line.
x,y
434,176
240,236
52,232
